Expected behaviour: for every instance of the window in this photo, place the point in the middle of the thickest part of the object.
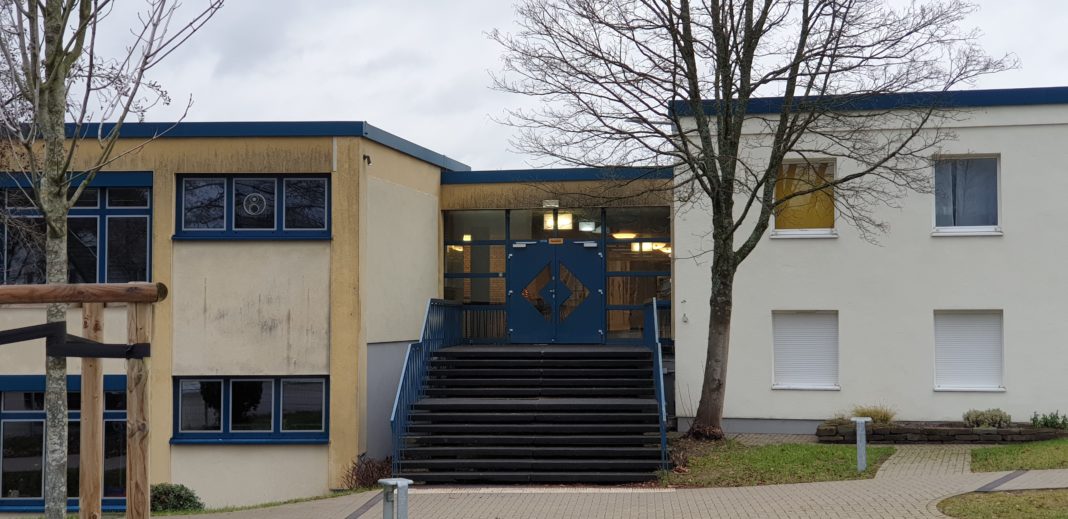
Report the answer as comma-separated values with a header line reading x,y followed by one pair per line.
x,y
805,350
966,195
251,410
638,266
106,242
810,214
968,350
475,257
253,207
22,432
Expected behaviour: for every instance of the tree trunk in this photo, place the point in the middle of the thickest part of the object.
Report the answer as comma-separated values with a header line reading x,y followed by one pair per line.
x,y
52,195
709,417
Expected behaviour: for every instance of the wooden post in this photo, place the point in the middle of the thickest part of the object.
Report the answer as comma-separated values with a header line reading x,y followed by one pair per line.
x,y
91,469
139,323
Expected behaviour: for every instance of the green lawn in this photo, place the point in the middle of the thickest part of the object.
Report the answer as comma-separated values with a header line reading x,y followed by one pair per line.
x,y
731,464
1050,454
1027,504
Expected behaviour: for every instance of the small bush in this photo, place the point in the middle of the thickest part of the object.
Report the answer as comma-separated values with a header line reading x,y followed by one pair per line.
x,y
1055,420
365,472
879,414
989,418
168,497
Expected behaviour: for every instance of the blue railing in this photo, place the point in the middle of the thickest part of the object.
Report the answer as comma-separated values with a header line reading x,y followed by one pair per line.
x,y
442,328
651,340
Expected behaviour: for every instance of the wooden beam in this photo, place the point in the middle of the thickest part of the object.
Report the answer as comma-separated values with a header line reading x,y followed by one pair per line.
x,y
91,467
84,293
139,327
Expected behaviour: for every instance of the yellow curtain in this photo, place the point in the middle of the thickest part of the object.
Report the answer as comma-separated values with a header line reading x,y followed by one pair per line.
x,y
810,211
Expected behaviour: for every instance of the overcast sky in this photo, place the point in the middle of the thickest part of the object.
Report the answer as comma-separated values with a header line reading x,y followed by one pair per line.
x,y
420,68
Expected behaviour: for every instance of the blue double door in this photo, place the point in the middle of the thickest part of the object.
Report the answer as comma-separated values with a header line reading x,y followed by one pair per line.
x,y
556,292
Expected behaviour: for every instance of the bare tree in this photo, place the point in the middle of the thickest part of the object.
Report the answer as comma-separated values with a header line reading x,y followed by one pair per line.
x,y
53,73
670,82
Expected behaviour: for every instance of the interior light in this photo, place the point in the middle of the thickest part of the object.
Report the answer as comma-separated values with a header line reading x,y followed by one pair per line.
x,y
635,247
587,226
564,222
457,248
647,246
624,235
658,245
467,237
666,250
548,222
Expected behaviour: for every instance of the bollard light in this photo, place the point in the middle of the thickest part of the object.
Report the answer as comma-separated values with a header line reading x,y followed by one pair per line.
x,y
395,498
862,442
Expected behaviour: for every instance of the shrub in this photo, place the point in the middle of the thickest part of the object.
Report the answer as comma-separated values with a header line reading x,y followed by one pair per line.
x,y
1054,420
365,472
879,414
989,418
168,497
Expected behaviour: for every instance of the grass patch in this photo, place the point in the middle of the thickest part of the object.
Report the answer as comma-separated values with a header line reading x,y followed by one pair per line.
x,y
1025,504
731,464
1049,454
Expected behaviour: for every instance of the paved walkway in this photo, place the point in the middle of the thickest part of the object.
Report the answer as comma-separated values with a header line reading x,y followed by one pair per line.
x,y
909,485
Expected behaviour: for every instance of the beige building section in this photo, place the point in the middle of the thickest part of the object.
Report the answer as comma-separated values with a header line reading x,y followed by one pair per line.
x,y
403,245
520,195
29,357
251,308
242,475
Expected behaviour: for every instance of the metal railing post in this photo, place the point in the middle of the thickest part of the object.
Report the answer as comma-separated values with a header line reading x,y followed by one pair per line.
x,y
395,498
862,442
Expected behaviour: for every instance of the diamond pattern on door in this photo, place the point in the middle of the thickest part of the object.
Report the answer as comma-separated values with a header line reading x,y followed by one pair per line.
x,y
533,293
573,287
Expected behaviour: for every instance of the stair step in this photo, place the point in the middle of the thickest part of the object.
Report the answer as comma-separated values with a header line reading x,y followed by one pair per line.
x,y
541,363
537,404
518,451
583,372
547,428
527,477
542,382
524,464
556,351
509,392
532,440
472,418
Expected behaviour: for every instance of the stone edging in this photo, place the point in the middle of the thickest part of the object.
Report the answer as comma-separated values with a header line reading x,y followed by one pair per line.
x,y
936,433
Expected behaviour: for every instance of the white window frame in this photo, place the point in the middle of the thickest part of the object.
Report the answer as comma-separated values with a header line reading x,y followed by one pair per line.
x,y
282,404
966,230
1000,388
831,232
775,385
222,415
230,418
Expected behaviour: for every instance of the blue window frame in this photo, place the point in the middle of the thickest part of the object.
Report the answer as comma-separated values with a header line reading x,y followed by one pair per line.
x,y
22,420
251,410
109,235
253,207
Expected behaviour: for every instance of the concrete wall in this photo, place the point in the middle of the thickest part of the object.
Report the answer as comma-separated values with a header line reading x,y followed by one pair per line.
x,y
251,308
886,294
386,360
241,475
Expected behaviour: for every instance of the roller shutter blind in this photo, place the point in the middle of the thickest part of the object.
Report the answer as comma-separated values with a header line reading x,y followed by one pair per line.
x,y
806,349
968,350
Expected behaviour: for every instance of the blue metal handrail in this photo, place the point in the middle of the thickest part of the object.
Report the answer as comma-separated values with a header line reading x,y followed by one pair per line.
x,y
441,328
651,340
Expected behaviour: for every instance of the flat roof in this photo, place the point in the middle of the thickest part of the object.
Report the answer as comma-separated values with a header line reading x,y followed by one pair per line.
x,y
554,175
184,129
947,99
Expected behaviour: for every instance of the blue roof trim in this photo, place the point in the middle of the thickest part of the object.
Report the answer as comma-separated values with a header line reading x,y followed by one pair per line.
x,y
102,179
171,130
554,175
950,99
74,382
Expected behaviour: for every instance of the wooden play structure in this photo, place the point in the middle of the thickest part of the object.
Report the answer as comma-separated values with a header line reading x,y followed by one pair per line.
x,y
138,298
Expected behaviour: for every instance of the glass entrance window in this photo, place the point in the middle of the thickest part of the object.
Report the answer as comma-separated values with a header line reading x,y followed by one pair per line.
x,y
531,224
579,224
473,226
628,223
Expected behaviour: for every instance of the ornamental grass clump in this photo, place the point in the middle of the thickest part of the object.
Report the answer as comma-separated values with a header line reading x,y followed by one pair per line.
x,y
988,418
879,414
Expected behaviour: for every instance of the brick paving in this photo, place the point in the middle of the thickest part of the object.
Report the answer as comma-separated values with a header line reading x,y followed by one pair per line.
x,y
772,439
909,485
